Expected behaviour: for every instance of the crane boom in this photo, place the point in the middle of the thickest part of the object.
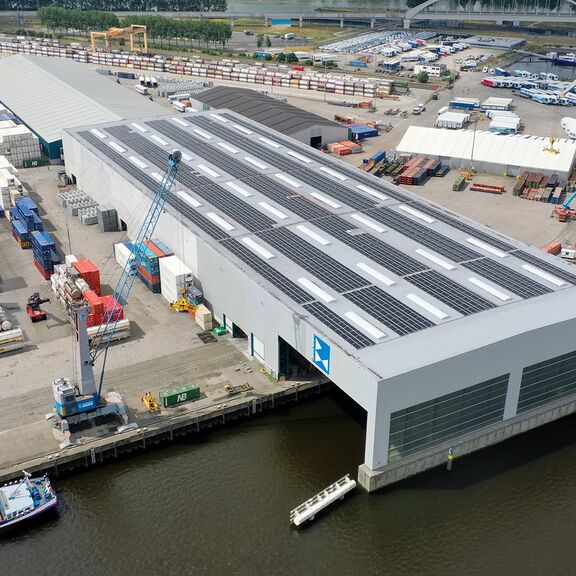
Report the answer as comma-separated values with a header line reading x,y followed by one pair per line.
x,y
101,341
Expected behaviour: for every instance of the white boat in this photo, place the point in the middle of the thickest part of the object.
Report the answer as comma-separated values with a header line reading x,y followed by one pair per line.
x,y
25,499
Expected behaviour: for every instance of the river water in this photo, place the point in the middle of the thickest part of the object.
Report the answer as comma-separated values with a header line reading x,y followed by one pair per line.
x,y
219,504
298,6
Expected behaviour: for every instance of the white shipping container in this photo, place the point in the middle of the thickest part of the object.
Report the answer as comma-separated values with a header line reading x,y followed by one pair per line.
x,y
174,276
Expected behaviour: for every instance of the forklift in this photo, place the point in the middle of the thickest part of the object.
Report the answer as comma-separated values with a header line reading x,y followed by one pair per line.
x,y
35,313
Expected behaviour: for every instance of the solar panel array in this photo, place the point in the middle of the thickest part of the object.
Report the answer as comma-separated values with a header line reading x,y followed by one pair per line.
x,y
388,310
554,270
456,223
152,185
330,271
420,233
507,278
320,159
339,277
266,271
457,297
216,195
337,324
374,248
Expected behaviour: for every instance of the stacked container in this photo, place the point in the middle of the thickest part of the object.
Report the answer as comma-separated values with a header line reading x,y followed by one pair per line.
x,y
44,249
149,269
225,69
90,273
175,276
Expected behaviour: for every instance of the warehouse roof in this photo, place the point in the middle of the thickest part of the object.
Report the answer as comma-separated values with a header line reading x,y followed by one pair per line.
x,y
263,109
364,261
519,150
71,94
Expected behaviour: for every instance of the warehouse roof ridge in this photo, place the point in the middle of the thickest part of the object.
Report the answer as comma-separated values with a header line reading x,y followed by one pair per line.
x,y
364,259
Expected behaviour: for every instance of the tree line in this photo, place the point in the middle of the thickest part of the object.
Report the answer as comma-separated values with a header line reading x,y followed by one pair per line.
x,y
158,27
120,5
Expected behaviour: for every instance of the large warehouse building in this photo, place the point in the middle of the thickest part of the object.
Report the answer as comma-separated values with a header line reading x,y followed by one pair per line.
x,y
73,94
489,152
450,336
306,127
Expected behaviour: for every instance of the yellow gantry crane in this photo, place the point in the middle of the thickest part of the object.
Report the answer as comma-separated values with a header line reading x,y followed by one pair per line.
x,y
132,31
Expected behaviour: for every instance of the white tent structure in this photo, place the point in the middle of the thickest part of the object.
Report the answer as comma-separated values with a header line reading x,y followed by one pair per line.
x,y
491,153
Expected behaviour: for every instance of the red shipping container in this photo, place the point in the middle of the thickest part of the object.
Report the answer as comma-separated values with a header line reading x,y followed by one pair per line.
x,y
151,279
94,320
110,304
89,273
153,248
94,302
45,274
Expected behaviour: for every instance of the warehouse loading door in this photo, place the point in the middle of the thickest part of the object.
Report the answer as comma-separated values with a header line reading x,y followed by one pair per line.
x,y
316,141
291,364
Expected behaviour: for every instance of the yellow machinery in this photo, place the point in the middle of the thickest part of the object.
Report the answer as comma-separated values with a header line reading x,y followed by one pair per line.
x,y
182,304
468,173
133,31
150,402
551,147
554,139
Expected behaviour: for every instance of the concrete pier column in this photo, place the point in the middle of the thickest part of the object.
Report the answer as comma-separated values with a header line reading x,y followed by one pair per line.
x,y
406,24
341,22
372,22
300,22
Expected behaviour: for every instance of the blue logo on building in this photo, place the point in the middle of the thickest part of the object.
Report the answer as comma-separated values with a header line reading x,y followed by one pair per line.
x,y
321,355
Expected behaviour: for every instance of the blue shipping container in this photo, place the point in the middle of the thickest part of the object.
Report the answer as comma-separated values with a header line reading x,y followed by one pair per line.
x,y
357,63
27,203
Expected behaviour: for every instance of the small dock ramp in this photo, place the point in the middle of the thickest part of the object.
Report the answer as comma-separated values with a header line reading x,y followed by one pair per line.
x,y
322,500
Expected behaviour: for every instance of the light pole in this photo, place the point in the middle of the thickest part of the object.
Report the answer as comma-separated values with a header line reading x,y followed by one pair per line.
x,y
475,120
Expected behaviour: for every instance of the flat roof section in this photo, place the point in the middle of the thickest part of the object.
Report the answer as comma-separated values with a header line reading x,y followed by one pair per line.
x,y
365,260
73,94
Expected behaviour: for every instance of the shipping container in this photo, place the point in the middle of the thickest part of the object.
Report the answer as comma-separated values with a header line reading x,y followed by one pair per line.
x,y
180,395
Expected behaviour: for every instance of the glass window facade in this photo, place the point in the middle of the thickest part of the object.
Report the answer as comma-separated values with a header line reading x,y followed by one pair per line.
x,y
420,427
547,381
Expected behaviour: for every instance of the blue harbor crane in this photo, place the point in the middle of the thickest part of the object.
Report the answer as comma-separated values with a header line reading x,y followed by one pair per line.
x,y
83,401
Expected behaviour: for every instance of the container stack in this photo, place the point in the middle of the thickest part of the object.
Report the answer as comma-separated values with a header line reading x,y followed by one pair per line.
x,y
339,149
537,187
107,219
175,277
44,249
20,143
224,69
90,273
360,131
417,169
149,269
25,220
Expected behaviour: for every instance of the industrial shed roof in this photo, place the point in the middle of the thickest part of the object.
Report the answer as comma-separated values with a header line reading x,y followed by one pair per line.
x,y
263,109
365,262
519,150
50,94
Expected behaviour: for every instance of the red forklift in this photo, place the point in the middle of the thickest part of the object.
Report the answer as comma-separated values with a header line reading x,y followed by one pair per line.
x,y
36,313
